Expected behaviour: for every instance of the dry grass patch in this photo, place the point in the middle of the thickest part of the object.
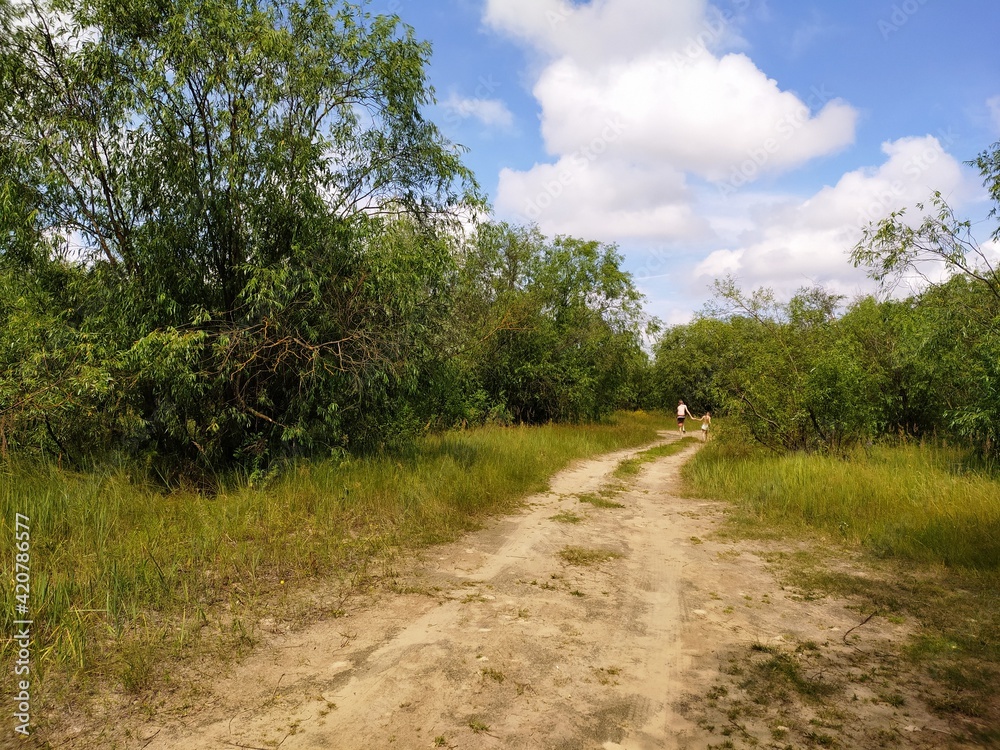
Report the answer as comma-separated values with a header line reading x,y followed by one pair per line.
x,y
586,557
599,501
567,518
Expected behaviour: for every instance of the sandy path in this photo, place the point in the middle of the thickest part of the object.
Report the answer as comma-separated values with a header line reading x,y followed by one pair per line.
x,y
497,641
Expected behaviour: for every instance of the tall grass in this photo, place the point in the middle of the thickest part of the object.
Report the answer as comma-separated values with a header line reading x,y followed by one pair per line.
x,y
124,574
915,502
929,513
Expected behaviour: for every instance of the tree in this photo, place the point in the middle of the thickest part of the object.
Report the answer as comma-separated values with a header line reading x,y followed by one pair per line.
x,y
784,372
961,314
242,183
688,361
553,329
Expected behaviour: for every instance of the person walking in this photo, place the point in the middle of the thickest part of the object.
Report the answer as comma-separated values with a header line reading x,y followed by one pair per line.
x,y
682,413
706,421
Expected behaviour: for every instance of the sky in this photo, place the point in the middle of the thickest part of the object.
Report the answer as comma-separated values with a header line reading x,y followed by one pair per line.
x,y
746,137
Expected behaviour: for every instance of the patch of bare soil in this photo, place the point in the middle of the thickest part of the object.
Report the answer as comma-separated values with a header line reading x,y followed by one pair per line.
x,y
570,626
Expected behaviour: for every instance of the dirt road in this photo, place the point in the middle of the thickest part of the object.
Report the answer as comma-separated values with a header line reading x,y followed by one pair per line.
x,y
567,626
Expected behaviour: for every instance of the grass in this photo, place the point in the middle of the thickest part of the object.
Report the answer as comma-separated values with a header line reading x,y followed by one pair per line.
x,y
125,578
780,673
807,696
566,517
606,675
911,502
479,727
494,674
599,501
625,470
586,557
924,523
630,467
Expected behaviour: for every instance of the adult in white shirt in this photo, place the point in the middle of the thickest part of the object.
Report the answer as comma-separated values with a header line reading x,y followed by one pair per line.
x,y
682,413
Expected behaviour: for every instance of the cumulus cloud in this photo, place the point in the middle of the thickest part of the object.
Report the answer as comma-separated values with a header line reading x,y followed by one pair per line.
x,y
658,76
706,118
658,125
604,30
609,200
490,112
795,243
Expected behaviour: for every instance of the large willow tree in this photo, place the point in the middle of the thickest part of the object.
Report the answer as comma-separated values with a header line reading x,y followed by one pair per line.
x,y
219,222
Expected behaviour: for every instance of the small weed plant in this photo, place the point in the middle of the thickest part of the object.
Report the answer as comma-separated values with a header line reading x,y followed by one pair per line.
x,y
586,557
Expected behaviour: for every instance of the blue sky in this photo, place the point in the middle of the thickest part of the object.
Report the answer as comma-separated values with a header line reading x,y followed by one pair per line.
x,y
752,137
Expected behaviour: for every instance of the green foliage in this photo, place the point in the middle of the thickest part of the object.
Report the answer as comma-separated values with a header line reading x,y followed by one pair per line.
x,y
801,375
914,502
798,376
125,575
553,329
229,235
686,359
261,263
958,324
786,372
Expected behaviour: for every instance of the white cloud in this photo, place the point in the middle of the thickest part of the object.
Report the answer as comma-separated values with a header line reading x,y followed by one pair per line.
x,y
796,243
658,124
991,252
646,93
490,112
706,117
602,29
721,263
582,194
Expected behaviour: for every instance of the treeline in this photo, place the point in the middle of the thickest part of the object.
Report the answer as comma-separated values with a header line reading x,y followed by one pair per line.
x,y
228,235
808,374
407,331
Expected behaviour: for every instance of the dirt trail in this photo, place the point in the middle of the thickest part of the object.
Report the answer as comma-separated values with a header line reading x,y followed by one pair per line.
x,y
498,641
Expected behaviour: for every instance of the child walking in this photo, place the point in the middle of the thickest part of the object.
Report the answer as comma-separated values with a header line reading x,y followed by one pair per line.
x,y
705,422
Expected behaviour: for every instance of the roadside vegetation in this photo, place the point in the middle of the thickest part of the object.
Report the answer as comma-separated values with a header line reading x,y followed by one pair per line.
x,y
909,532
864,442
130,580
212,263
813,374
924,503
